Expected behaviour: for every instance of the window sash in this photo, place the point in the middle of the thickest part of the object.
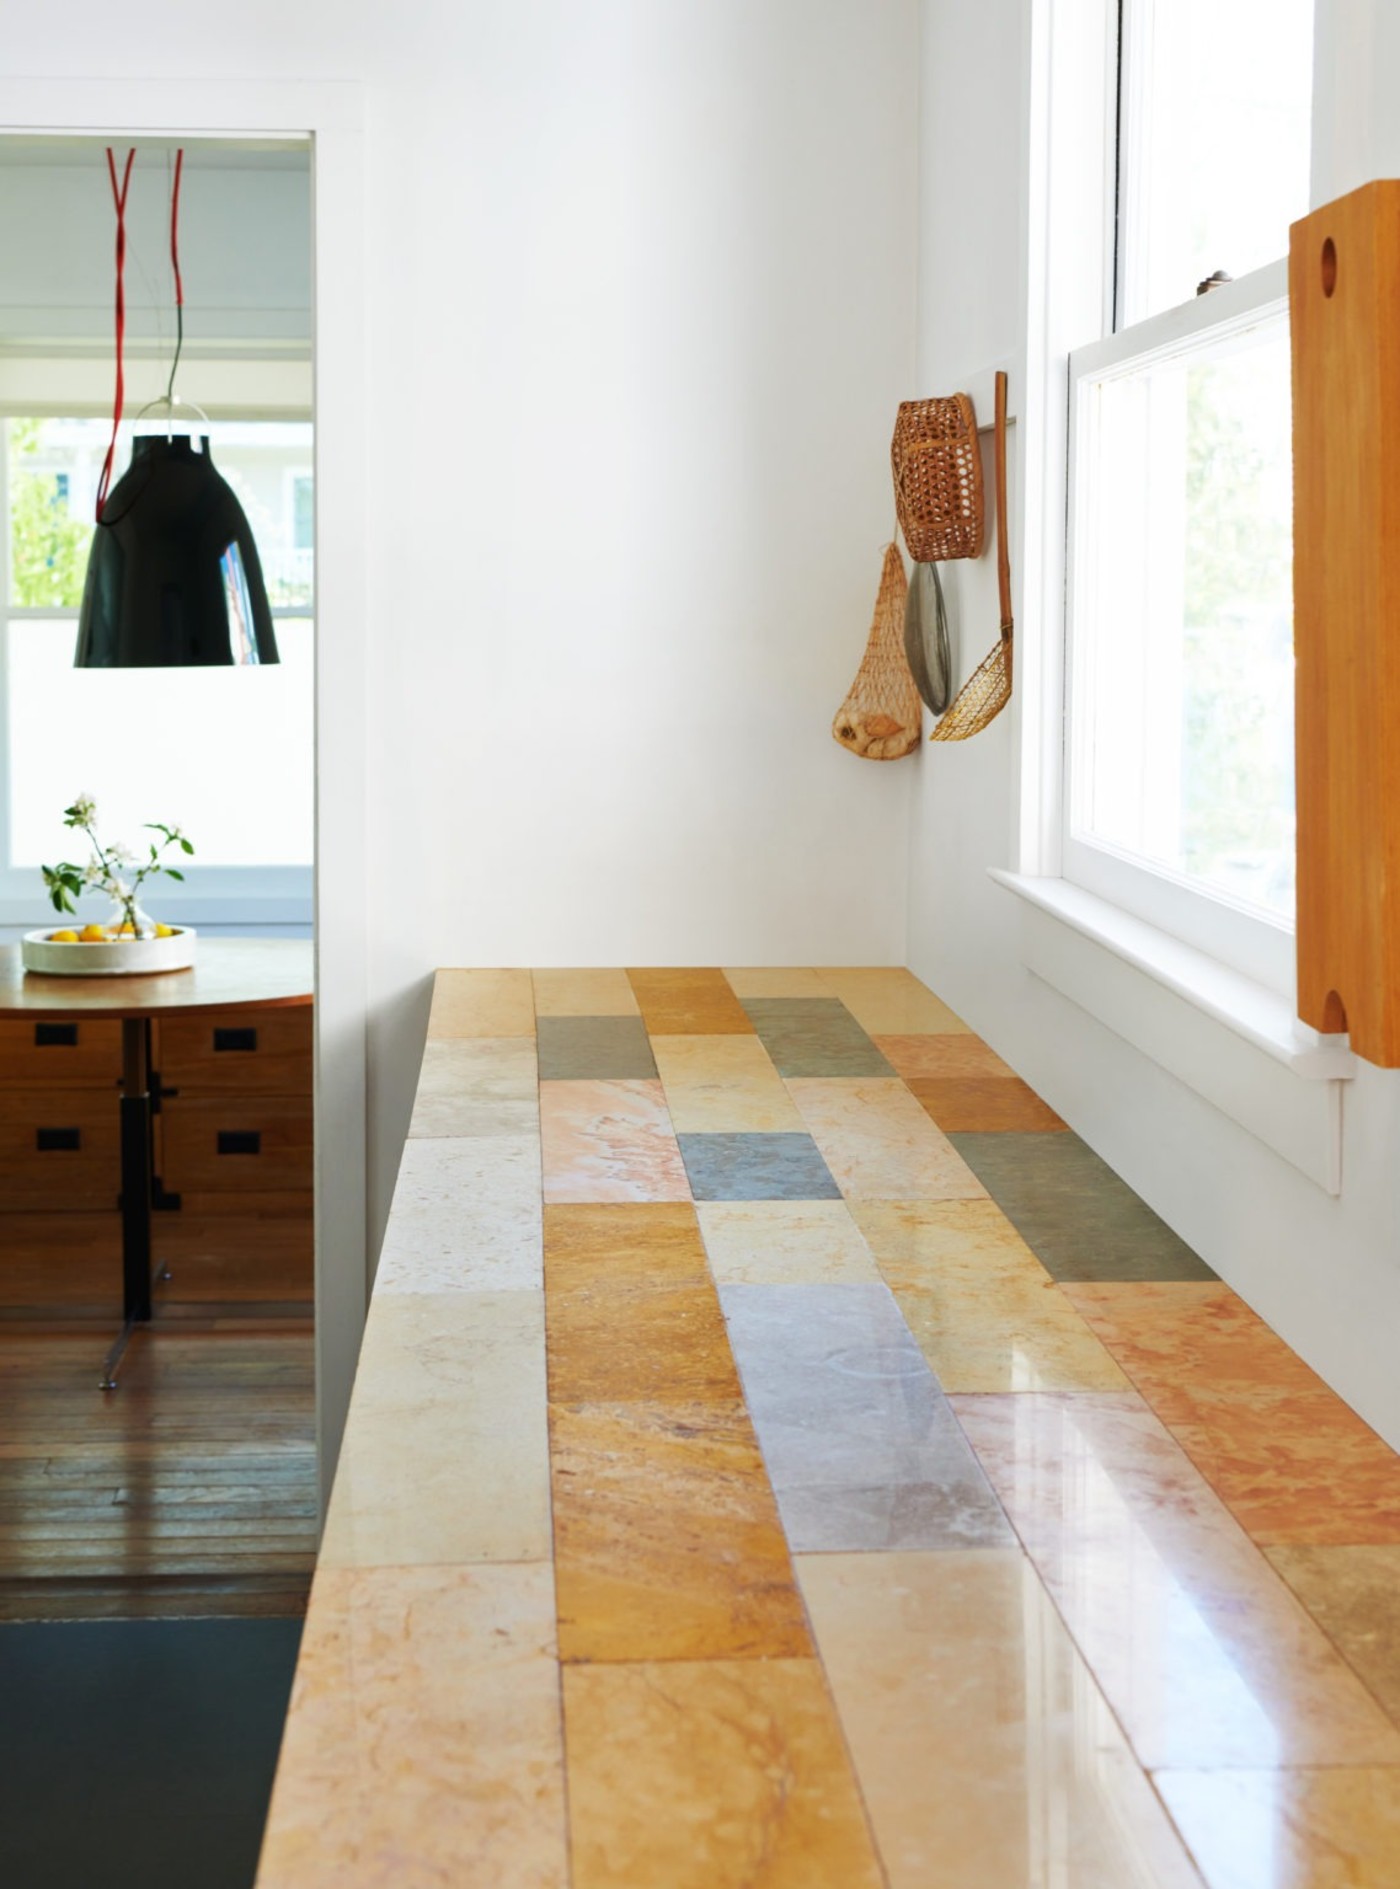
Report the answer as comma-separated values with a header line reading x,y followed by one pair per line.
x,y
1258,945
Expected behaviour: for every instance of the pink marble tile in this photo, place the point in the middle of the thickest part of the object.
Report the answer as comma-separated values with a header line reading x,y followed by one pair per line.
x,y
878,1141
609,1141
1201,1650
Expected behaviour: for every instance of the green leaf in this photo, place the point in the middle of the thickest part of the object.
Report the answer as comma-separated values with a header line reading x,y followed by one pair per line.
x,y
171,873
185,844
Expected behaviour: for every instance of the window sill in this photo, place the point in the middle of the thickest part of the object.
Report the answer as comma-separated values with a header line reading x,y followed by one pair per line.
x,y
1227,1038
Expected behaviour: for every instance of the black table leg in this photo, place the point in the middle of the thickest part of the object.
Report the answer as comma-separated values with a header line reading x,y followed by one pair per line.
x,y
137,1164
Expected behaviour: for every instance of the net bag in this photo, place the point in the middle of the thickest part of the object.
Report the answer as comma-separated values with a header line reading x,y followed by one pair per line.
x,y
879,718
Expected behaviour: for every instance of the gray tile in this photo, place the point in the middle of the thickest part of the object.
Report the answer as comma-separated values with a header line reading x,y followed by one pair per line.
x,y
1078,1218
860,1443
588,1049
756,1167
814,1036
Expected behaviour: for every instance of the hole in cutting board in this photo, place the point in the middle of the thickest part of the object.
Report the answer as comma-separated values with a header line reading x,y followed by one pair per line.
x,y
1329,266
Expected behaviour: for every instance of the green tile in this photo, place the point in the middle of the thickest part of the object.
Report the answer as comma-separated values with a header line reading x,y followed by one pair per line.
x,y
594,1049
1078,1218
814,1036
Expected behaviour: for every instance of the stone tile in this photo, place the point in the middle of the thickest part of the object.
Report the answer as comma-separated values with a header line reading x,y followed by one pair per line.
x,y
1079,1219
632,1315
1351,1593
1336,1828
756,1167
688,1003
446,1451
979,1105
986,1314
609,1141
814,1036
711,1774
860,1443
961,1054
1290,1459
879,1144
465,1217
890,1002
969,1713
424,1729
481,1003
594,1049
723,1085
1203,1653
583,994
784,1243
765,981
479,1086
667,1538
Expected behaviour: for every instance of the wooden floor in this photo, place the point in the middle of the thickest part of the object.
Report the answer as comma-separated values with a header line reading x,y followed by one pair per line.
x,y
191,1489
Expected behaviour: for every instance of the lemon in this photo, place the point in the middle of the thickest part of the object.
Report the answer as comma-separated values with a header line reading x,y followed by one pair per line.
x,y
165,931
63,937
92,934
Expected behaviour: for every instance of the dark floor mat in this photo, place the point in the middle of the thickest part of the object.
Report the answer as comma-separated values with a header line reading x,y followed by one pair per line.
x,y
139,1752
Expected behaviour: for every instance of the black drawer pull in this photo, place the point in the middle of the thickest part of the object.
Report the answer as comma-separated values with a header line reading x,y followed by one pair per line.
x,y
240,1141
235,1039
58,1140
55,1036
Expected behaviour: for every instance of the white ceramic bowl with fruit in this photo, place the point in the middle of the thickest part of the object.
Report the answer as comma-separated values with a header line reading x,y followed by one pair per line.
x,y
106,951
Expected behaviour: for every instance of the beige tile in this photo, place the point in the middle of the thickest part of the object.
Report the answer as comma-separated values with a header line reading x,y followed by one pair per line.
x,y
729,1774
584,994
609,1142
783,1242
423,1741
1200,1649
763,981
1336,1828
987,1315
465,1217
890,1002
986,1753
482,1003
878,1143
723,1085
479,1086
1352,1594
446,1452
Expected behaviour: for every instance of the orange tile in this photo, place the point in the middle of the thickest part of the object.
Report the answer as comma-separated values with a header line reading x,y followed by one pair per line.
x,y
689,1003
975,1105
630,1312
711,1775
666,1536
1290,1459
960,1055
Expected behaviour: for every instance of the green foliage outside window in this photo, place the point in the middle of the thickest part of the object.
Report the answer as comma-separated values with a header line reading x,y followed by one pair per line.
x,y
48,546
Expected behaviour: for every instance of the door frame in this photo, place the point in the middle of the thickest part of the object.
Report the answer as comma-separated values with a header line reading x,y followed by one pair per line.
x,y
331,116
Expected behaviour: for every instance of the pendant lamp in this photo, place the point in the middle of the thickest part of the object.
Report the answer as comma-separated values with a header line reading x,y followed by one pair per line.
x,y
174,577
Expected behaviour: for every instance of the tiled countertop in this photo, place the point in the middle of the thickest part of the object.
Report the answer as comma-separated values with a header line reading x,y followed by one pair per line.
x,y
783,1455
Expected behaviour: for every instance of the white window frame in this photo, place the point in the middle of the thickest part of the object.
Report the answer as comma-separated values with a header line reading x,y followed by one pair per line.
x,y
1238,935
258,897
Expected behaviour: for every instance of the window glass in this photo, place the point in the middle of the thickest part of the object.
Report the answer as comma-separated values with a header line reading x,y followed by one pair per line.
x,y
1216,108
1182,745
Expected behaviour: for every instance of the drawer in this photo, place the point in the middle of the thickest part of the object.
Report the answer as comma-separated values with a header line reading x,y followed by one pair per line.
x,y
59,1148
245,1051
77,1055
215,1145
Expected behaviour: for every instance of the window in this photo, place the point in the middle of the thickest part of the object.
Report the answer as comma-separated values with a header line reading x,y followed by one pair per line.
x,y
225,753
1179,749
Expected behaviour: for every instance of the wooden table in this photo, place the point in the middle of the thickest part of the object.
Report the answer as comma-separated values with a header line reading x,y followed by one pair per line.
x,y
230,972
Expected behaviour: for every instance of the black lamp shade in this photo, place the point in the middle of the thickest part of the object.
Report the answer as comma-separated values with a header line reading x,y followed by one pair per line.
x,y
174,578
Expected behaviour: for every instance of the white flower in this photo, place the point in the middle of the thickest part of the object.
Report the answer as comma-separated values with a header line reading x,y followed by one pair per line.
x,y
83,811
121,855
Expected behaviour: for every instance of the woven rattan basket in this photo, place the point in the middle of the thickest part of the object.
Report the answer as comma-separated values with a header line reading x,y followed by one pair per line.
x,y
937,470
879,718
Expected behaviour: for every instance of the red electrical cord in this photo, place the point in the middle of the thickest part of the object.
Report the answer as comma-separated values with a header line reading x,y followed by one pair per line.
x,y
119,199
175,228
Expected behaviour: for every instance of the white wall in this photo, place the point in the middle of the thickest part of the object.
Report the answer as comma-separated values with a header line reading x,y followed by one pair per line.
x,y
640,297
1324,1271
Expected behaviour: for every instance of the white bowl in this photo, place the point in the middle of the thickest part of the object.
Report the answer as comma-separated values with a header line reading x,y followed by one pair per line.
x,y
116,957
